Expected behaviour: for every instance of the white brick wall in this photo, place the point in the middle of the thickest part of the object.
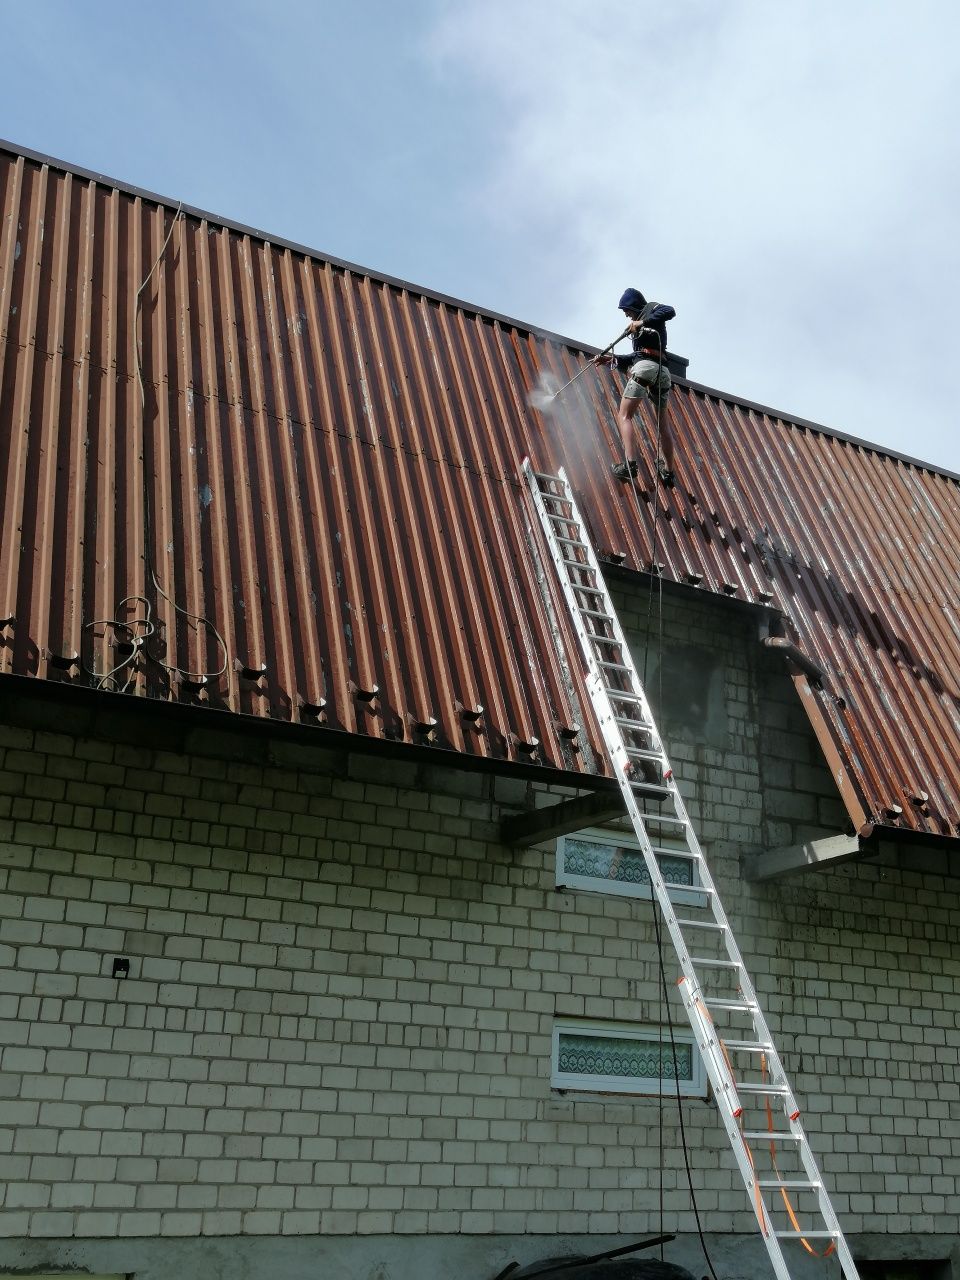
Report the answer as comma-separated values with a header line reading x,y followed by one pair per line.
x,y
342,990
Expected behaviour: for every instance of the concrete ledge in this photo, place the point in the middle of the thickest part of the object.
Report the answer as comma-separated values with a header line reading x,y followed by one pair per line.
x,y
523,829
812,856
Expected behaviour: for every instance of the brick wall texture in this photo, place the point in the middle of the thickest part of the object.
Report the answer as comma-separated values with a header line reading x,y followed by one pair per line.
x,y
342,989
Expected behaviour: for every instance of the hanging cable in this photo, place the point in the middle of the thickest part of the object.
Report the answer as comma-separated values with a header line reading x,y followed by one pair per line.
x,y
140,631
664,996
195,620
676,1079
655,530
664,1006
646,651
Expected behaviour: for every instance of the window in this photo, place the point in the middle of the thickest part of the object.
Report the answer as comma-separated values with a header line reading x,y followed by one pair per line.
x,y
604,861
611,1057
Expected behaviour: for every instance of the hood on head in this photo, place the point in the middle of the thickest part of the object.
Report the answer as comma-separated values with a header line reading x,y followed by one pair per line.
x,y
632,300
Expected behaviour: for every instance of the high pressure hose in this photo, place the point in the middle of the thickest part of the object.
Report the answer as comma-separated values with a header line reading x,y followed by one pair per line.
x,y
665,1004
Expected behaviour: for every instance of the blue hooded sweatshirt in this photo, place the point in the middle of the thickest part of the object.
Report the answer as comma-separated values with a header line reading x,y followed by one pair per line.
x,y
651,341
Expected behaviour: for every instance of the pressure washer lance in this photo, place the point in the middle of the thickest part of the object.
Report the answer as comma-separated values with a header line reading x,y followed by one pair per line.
x,y
605,352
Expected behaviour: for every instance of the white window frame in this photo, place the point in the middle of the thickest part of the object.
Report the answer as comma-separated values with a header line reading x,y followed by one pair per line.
x,y
568,1082
565,879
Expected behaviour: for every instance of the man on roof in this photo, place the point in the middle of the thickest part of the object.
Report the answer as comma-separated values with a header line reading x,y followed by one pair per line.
x,y
649,379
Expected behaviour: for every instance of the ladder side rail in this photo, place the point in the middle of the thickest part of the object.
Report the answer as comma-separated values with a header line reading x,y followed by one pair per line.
x,y
613,739
585,638
618,754
715,1061
720,1077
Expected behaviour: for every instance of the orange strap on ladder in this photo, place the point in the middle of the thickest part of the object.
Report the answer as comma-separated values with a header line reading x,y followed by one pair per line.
x,y
761,1211
783,1191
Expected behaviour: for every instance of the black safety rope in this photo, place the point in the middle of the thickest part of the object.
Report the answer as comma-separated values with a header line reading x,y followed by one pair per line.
x,y
664,991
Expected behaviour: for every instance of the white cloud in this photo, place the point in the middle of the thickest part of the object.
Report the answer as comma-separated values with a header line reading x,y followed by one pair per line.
x,y
785,176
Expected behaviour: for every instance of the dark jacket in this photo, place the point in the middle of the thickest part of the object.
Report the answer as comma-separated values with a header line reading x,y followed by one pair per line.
x,y
651,338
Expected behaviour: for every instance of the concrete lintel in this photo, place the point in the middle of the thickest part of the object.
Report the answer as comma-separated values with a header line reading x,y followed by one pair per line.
x,y
553,820
812,856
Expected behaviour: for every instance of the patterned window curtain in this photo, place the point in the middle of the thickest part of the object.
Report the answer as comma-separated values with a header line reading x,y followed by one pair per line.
x,y
621,1057
597,861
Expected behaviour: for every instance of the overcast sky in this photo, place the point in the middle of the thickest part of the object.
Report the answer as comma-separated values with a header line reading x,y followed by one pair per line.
x,y
785,175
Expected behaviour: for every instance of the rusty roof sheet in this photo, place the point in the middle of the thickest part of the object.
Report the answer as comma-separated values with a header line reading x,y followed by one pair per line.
x,y
316,496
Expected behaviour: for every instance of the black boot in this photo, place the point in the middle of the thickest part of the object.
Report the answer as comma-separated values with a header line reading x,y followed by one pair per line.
x,y
625,470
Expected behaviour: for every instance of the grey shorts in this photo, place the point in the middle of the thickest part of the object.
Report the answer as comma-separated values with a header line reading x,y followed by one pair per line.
x,y
648,376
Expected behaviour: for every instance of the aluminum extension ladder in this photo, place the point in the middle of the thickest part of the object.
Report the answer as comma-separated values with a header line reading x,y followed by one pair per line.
x,y
759,1111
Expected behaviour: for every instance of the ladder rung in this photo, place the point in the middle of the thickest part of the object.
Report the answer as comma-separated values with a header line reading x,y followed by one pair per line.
x,y
638,753
578,564
727,1004
690,888
543,475
610,666
774,1090
664,818
794,1185
701,924
779,1135
707,963
807,1235
572,542
596,613
748,1046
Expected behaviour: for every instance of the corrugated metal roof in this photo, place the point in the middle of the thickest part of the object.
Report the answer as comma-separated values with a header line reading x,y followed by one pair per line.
x,y
324,484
